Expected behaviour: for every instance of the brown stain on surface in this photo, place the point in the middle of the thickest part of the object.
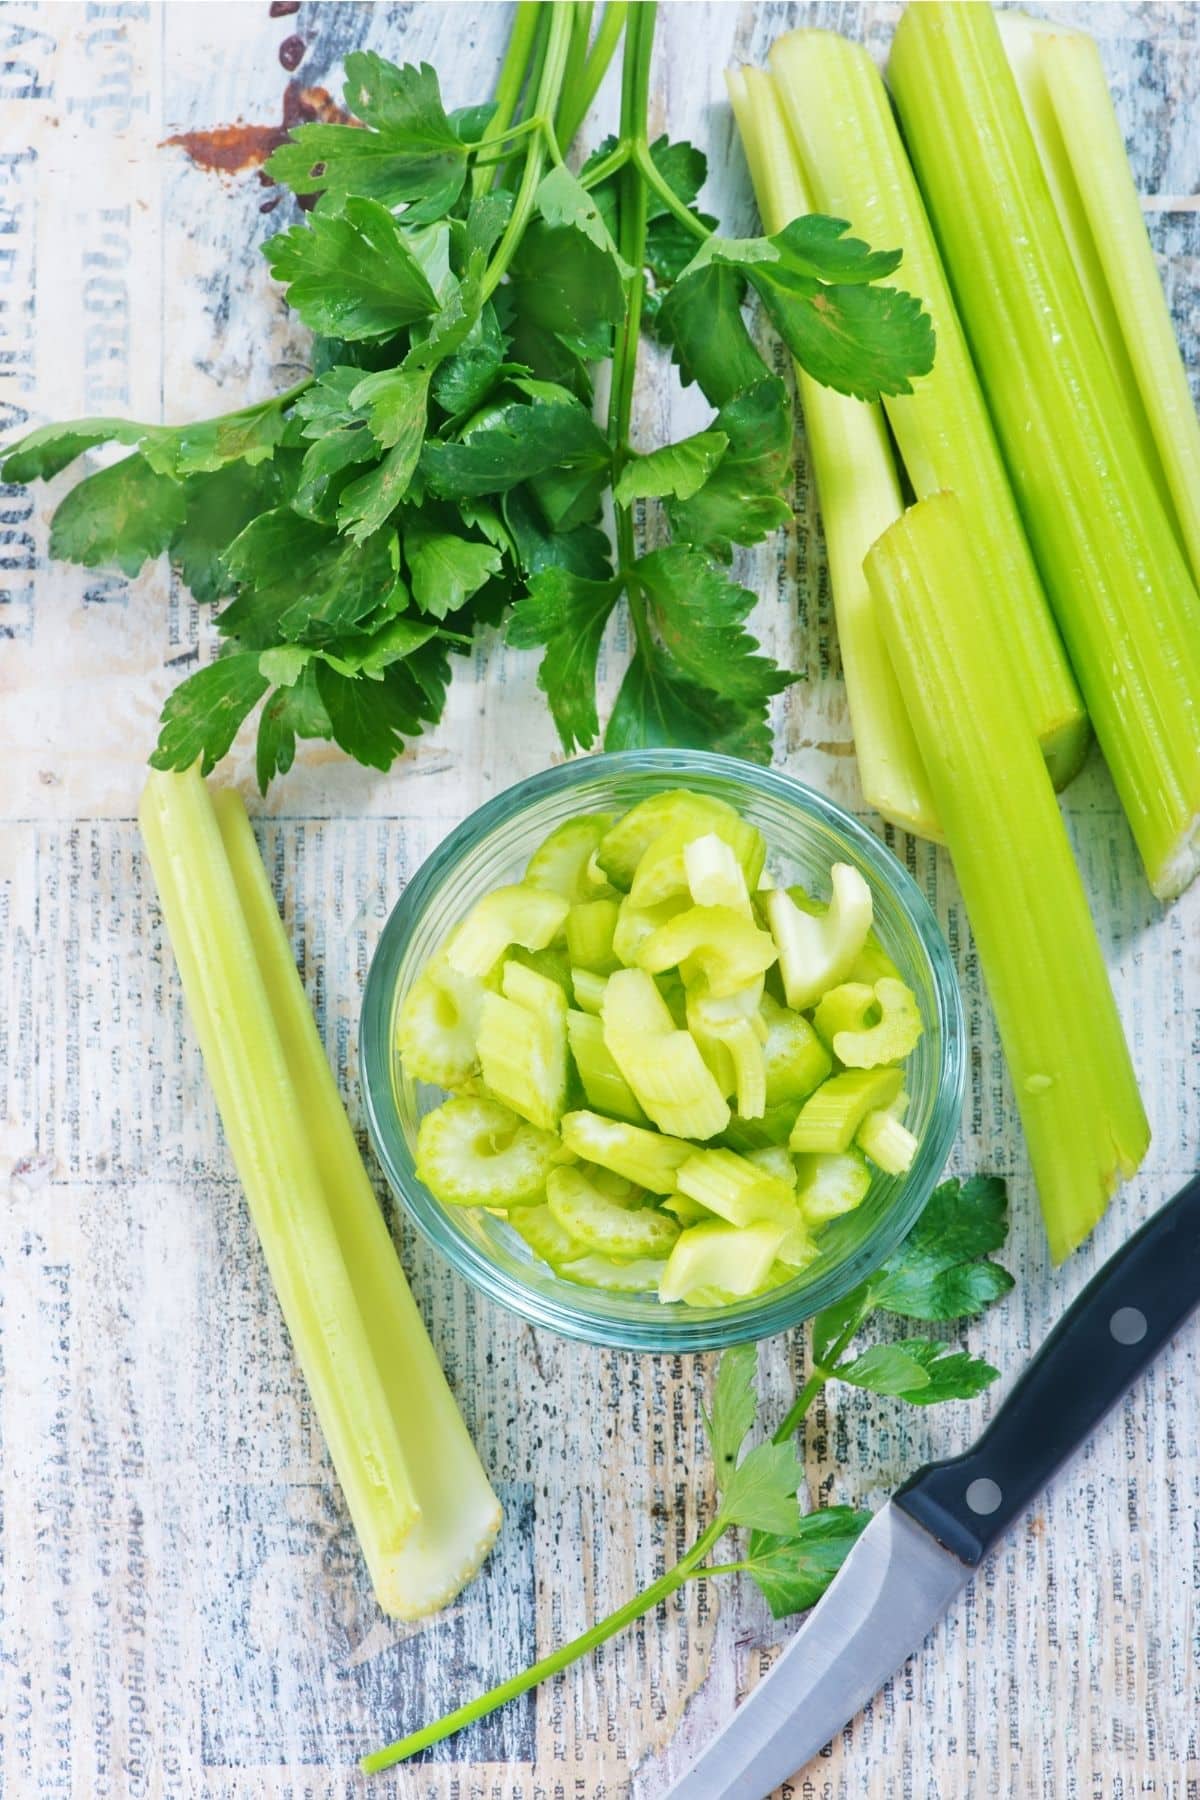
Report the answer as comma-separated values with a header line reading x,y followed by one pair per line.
x,y
229,149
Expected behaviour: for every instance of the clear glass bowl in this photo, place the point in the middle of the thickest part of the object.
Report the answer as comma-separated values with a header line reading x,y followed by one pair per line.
x,y
805,834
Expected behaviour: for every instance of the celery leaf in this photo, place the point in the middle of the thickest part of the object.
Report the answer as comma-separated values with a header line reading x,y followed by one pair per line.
x,y
793,1572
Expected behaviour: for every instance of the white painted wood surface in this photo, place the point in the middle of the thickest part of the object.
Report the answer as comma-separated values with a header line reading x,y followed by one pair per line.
x,y
182,1611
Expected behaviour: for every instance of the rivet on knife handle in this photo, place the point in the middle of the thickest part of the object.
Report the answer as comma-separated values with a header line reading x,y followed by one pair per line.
x,y
1118,1325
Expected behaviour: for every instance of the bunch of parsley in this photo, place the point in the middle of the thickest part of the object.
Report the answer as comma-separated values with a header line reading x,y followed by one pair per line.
x,y
942,1272
442,466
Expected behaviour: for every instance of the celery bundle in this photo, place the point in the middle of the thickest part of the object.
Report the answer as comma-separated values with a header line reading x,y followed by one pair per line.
x,y
1118,580
855,167
421,1504
1058,1022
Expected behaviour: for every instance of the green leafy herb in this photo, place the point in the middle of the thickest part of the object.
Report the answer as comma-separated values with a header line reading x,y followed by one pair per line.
x,y
792,1555
443,459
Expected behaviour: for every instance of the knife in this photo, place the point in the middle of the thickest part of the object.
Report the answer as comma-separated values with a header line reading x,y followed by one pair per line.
x,y
924,1545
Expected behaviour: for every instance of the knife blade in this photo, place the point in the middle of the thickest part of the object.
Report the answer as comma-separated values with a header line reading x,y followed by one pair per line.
x,y
926,1542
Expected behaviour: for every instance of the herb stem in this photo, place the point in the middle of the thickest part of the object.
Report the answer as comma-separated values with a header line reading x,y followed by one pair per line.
x,y
581,27
818,1376
549,87
578,98
640,151
608,165
509,82
559,1659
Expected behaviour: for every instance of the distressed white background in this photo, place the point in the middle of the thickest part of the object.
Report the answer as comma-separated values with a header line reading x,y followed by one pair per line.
x,y
181,1608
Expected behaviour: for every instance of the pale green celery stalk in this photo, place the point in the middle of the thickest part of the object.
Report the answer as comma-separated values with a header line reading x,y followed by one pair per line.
x,y
1120,586
308,1196
1020,36
859,492
855,167
1058,1022
1072,75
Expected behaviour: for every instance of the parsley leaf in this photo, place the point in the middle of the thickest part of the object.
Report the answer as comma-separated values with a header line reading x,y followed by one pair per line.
x,y
567,613
562,200
370,719
353,273
204,713
125,514
677,469
942,1270
793,1572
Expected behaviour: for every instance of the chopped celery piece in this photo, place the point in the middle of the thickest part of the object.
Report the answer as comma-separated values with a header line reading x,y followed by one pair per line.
x,y
476,1152
893,1037
831,1184
562,862
590,928
715,877
685,1209
859,492
817,951
438,1024
522,915
856,168
538,1227
829,1118
890,1145
646,1158
588,990
734,1188
714,947
795,1060
850,1006
636,923
797,1249
662,871
639,1276
712,1263
777,1160
603,1083
773,1127
604,1225
553,964
730,1034
622,847
1118,580
662,1064
418,1497
872,963
523,1045
1085,157
1062,1038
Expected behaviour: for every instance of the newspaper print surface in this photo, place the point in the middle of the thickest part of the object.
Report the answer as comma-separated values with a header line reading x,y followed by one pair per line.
x,y
182,1609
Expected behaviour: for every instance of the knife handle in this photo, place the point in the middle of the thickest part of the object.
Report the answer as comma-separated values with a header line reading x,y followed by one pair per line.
x,y
1104,1340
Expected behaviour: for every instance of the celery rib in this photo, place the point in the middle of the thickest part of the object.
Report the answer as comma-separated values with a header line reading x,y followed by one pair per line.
x,y
1120,586
1062,1037
419,1500
859,494
857,169
1093,164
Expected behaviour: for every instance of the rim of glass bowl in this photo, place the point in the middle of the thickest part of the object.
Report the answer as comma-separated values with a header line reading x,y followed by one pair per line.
x,y
639,1322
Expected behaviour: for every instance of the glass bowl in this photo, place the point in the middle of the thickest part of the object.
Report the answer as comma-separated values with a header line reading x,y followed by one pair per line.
x,y
805,834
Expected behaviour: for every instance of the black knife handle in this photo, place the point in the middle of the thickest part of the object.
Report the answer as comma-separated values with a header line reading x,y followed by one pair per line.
x,y
1116,1327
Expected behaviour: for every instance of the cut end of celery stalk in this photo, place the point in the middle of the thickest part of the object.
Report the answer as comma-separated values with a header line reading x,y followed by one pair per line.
x,y
1062,1037
859,493
856,168
421,1504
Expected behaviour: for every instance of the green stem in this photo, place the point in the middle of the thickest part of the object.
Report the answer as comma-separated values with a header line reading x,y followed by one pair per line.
x,y
551,1665
549,87
579,96
581,27
640,151
821,1372
608,165
509,82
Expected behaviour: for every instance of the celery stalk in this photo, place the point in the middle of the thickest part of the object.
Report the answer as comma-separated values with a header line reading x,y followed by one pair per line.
x,y
1070,1067
1118,580
1070,66
856,168
859,493
397,1443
